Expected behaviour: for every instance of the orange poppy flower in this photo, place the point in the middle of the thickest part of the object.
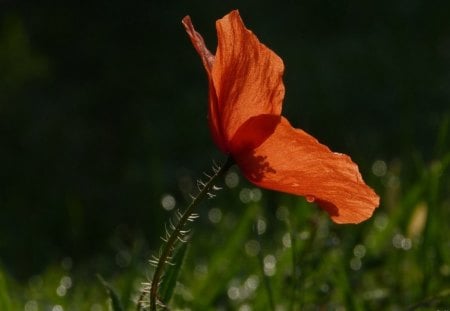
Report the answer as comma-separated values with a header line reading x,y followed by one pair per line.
x,y
246,92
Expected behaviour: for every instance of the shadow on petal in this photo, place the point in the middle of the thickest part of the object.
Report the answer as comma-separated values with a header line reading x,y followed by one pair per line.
x,y
290,160
329,207
258,166
253,132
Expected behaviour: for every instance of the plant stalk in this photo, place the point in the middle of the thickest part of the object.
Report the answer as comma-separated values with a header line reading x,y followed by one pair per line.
x,y
175,235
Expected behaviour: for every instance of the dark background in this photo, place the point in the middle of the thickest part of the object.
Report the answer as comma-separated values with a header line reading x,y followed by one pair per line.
x,y
103,105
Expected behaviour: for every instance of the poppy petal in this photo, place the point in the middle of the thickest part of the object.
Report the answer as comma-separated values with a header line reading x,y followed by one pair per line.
x,y
247,76
290,160
198,43
208,61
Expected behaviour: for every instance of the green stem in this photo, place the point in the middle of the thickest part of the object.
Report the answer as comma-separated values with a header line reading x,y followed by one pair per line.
x,y
176,234
267,284
294,265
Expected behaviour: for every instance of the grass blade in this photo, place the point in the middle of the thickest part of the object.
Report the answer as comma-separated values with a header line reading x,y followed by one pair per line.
x,y
116,305
171,275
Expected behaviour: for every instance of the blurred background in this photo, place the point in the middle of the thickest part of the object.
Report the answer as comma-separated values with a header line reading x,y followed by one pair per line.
x,y
103,115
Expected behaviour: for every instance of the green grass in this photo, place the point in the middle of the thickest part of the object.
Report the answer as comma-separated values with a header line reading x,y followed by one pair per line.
x,y
280,253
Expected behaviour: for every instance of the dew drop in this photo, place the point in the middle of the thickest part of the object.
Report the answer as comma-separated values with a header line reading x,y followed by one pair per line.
x,y
355,263
31,305
252,248
261,226
310,198
233,292
270,263
168,202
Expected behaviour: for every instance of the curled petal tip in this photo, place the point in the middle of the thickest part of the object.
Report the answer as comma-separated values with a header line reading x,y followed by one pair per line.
x,y
199,44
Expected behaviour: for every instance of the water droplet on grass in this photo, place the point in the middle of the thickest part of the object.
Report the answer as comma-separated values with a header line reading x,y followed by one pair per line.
x,y
355,263
232,179
261,226
310,198
168,202
31,305
359,251
215,215
233,293
287,240
379,168
270,263
252,248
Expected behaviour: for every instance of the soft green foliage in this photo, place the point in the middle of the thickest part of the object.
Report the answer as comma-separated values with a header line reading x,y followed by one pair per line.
x,y
253,249
6,303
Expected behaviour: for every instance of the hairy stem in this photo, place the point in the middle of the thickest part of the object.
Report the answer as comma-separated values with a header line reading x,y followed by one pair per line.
x,y
177,234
